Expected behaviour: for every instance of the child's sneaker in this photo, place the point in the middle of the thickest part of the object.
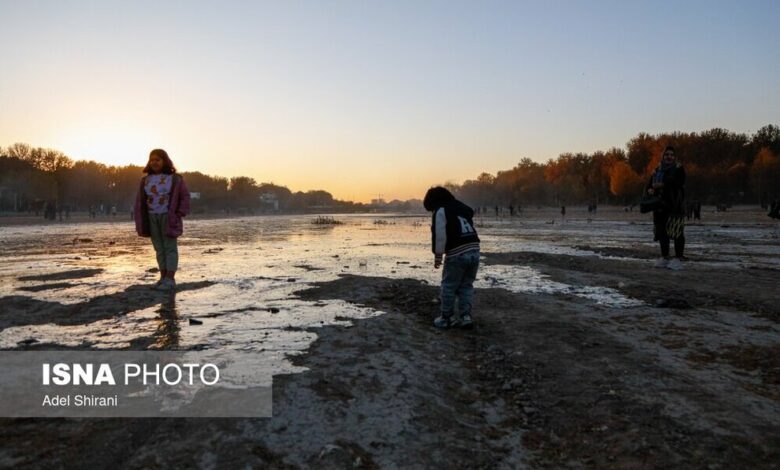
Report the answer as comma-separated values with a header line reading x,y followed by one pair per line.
x,y
443,322
466,321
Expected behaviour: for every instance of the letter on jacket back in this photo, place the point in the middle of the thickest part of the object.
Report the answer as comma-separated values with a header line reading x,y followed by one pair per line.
x,y
453,229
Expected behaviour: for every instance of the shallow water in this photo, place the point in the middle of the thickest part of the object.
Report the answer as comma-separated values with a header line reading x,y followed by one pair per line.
x,y
256,264
534,282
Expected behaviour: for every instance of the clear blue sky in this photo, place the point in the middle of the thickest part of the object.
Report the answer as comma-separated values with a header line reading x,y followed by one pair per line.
x,y
367,97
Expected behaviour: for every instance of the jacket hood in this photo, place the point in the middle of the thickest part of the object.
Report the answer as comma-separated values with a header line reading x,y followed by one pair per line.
x,y
468,210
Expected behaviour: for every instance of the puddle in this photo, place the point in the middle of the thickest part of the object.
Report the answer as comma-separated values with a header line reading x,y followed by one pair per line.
x,y
526,280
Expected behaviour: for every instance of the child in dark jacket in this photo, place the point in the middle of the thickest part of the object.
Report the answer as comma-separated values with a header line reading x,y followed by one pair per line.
x,y
453,237
162,201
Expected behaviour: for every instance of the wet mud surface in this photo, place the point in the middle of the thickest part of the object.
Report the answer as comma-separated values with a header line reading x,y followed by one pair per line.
x,y
583,354
581,392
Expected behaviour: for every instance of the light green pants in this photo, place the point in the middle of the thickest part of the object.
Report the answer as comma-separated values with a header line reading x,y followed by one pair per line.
x,y
166,247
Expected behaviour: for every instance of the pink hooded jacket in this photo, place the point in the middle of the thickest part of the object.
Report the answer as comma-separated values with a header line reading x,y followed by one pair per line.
x,y
178,207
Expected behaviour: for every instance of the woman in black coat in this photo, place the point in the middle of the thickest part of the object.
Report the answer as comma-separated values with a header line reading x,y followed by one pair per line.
x,y
668,182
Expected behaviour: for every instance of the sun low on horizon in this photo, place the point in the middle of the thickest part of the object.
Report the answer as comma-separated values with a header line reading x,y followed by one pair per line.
x,y
111,145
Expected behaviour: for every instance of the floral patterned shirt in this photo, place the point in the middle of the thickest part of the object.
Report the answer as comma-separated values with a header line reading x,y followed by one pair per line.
x,y
158,192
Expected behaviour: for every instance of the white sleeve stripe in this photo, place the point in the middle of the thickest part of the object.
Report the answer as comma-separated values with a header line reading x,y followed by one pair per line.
x,y
440,231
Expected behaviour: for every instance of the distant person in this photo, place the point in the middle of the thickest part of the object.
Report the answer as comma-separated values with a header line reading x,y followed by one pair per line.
x,y
496,209
668,182
563,213
511,210
162,201
50,211
697,210
774,209
454,237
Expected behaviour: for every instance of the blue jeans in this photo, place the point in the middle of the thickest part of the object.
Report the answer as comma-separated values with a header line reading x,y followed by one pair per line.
x,y
457,280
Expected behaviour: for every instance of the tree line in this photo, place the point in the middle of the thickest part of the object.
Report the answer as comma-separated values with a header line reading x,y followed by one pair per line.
x,y
32,179
722,167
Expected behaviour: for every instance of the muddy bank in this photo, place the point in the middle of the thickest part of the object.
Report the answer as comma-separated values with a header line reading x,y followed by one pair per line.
x,y
540,382
579,391
386,392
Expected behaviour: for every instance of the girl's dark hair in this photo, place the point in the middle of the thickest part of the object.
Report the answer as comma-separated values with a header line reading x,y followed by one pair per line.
x,y
437,197
669,148
167,168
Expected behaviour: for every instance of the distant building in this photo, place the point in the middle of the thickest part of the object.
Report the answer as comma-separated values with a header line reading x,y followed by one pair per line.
x,y
378,202
270,200
194,195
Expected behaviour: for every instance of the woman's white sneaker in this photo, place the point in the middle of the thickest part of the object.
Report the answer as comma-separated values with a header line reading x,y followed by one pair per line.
x,y
675,264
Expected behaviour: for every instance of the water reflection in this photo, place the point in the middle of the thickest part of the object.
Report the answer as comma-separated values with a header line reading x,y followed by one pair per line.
x,y
238,276
168,329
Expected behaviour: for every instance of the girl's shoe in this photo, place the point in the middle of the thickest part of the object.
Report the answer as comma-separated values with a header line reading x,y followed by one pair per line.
x,y
443,322
166,284
466,321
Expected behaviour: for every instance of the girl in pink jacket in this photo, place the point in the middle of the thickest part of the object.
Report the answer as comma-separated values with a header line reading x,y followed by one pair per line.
x,y
162,201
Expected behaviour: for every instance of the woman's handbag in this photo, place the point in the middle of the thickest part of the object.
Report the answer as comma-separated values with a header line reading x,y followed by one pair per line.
x,y
650,203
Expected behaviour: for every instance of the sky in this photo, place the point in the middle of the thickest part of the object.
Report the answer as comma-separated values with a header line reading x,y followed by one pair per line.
x,y
370,98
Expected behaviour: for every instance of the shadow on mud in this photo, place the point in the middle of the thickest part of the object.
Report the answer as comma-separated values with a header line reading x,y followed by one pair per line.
x,y
17,310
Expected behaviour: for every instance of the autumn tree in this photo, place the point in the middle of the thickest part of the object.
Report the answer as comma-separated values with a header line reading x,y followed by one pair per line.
x,y
767,137
624,182
567,176
765,174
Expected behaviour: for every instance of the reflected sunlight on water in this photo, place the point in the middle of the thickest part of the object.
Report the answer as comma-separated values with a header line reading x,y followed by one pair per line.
x,y
237,277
